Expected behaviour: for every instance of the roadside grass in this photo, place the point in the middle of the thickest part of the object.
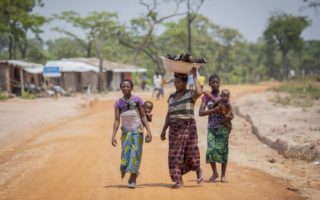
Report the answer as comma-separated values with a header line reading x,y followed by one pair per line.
x,y
300,93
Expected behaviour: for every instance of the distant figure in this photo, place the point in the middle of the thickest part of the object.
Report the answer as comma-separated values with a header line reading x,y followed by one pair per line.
x,y
144,79
88,91
201,80
157,83
190,82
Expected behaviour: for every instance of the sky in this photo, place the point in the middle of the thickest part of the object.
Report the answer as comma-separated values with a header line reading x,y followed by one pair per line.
x,y
249,17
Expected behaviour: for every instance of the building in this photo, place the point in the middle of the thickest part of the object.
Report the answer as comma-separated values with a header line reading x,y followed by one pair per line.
x,y
112,73
16,75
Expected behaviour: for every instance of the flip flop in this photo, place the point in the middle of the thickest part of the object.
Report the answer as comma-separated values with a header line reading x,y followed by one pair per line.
x,y
224,180
213,178
201,178
177,185
132,185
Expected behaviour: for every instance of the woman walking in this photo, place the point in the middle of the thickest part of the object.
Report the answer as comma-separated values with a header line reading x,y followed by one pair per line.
x,y
130,109
184,153
218,133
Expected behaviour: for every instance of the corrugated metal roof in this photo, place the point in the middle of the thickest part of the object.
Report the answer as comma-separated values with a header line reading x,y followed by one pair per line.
x,y
72,66
110,66
33,68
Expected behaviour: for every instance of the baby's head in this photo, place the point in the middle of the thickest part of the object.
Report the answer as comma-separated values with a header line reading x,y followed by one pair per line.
x,y
225,95
148,106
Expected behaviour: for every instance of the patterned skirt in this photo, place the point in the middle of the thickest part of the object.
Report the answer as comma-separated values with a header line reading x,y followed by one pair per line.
x,y
183,148
218,140
131,153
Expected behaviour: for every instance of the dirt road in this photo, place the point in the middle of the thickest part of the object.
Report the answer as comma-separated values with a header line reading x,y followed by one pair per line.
x,y
73,159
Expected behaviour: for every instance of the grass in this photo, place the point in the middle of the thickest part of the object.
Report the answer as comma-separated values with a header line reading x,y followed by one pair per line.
x,y
2,96
301,93
28,95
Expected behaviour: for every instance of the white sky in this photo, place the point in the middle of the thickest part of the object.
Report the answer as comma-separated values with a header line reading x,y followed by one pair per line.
x,y
248,16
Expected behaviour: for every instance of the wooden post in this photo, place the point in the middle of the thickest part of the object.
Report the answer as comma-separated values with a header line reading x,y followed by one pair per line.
x,y
21,81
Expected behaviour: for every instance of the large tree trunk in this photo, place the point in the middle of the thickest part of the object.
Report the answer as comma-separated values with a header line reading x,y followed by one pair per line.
x,y
10,47
89,49
23,48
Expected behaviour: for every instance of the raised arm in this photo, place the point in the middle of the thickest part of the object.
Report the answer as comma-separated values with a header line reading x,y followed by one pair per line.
x,y
115,126
198,90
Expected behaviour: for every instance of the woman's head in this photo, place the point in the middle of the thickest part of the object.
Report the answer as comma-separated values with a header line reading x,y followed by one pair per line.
x,y
126,86
180,81
214,82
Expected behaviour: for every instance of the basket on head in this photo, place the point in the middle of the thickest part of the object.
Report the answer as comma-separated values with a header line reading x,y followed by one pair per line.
x,y
178,66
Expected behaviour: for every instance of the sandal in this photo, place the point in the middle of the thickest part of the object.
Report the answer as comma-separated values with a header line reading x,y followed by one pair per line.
x,y
132,185
224,180
177,185
213,178
201,178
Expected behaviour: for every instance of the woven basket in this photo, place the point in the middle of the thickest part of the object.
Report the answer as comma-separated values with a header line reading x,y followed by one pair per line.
x,y
178,66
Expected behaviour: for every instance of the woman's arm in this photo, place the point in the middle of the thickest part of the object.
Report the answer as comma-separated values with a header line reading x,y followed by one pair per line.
x,y
115,126
204,112
145,124
165,127
198,90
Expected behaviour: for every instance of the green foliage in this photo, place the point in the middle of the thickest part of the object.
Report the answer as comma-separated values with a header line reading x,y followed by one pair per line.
x,y
302,92
2,96
94,25
64,48
284,32
16,20
228,53
28,95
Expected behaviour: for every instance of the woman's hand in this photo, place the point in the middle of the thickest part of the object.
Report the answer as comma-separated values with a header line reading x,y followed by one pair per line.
x,y
148,138
114,141
194,72
163,136
216,109
229,116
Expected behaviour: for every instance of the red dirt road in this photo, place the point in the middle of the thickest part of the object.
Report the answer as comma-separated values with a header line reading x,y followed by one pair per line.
x,y
73,159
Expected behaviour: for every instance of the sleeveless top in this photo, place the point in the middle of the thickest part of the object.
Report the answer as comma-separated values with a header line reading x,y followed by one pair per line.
x,y
129,112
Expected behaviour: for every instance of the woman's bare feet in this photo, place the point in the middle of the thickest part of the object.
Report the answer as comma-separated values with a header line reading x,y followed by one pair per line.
x,y
123,172
200,176
214,177
224,180
177,185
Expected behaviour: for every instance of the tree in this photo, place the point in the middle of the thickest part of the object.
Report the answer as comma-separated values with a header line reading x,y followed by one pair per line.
x,y
140,36
16,20
95,25
193,7
284,31
64,48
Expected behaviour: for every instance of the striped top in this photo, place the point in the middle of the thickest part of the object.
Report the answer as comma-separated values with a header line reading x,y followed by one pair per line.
x,y
182,108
